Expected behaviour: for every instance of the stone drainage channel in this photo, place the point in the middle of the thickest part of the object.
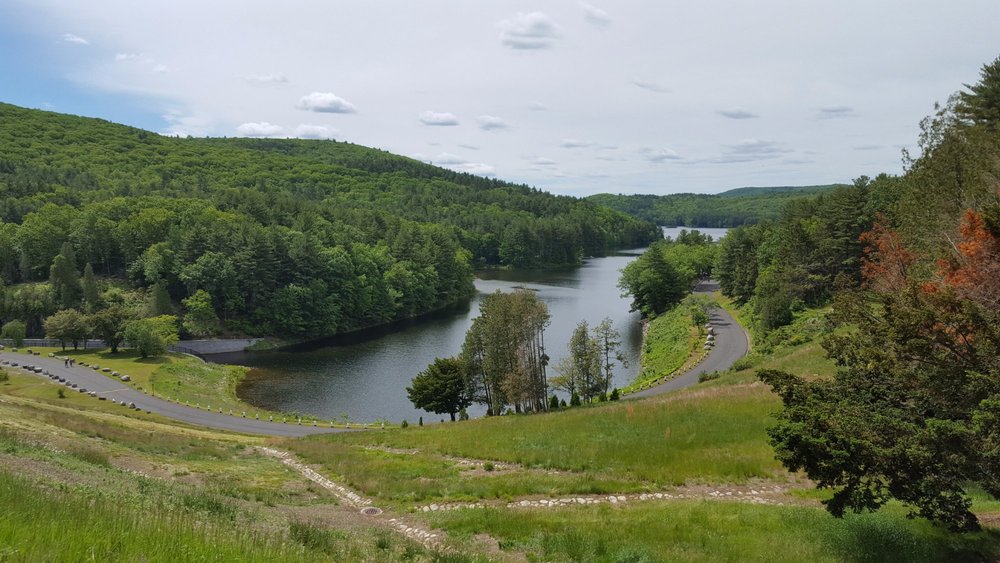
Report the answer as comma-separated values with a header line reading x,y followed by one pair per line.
x,y
424,537
765,495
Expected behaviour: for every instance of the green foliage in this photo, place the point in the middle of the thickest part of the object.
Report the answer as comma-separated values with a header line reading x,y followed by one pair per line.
x,y
89,289
741,206
67,325
109,325
666,272
152,336
14,330
200,319
302,238
909,416
580,371
441,388
64,277
503,352
158,301
980,105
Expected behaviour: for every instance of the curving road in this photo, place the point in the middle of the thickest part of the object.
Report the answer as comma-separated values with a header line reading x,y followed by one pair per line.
x,y
112,389
731,344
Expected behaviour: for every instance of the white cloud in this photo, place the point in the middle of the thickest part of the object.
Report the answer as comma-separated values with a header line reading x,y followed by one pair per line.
x,y
138,57
262,129
159,68
651,86
447,158
457,163
477,168
438,118
750,150
542,161
325,102
737,113
275,78
537,106
833,112
530,31
71,38
470,147
595,15
491,122
868,147
575,144
307,131
182,124
659,155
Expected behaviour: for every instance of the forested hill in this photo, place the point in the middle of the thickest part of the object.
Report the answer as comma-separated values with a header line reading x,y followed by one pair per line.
x,y
740,206
288,236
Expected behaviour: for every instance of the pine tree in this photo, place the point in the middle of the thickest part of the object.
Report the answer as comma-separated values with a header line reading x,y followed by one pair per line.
x,y
64,278
91,294
159,300
981,104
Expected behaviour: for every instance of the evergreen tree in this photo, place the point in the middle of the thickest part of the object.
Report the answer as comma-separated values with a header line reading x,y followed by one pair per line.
x,y
158,301
91,294
64,278
981,103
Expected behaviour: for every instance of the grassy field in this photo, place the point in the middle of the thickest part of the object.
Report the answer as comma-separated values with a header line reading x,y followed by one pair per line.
x,y
716,531
78,482
670,342
177,376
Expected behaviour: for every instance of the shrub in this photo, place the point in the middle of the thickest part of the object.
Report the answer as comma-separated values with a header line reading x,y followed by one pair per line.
x,y
488,466
708,376
404,424
553,402
574,400
3,376
615,394
61,393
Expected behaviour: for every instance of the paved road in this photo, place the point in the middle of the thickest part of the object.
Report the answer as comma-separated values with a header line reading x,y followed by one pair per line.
x,y
115,390
730,345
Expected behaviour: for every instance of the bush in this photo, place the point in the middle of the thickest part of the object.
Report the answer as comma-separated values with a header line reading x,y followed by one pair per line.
x,y
574,400
404,424
61,393
488,466
3,376
14,330
615,394
708,376
746,362
553,402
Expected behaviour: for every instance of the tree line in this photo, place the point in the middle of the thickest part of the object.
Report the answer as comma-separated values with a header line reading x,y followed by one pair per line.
x,y
911,265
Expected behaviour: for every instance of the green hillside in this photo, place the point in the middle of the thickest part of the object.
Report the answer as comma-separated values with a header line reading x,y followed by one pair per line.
x,y
287,236
740,206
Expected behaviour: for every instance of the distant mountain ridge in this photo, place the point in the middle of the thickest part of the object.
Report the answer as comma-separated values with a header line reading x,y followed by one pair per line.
x,y
732,208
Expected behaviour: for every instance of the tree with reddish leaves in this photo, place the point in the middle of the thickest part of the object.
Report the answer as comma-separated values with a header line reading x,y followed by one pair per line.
x,y
913,413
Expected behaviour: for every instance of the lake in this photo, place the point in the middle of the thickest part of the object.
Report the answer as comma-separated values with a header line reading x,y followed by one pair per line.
x,y
364,376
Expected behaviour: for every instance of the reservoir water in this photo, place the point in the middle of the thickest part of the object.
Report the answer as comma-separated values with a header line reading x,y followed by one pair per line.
x,y
365,376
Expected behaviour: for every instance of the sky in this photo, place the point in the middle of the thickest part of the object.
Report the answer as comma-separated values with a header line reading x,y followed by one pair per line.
x,y
630,96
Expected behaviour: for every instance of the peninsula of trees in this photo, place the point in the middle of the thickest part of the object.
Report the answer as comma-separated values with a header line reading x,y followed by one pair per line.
x,y
269,236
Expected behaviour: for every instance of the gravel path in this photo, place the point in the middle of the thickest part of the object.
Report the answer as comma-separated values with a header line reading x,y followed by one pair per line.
x,y
731,344
112,389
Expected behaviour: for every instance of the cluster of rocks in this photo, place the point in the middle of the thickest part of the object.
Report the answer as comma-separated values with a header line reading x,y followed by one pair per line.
x,y
709,336
426,538
752,496
343,493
